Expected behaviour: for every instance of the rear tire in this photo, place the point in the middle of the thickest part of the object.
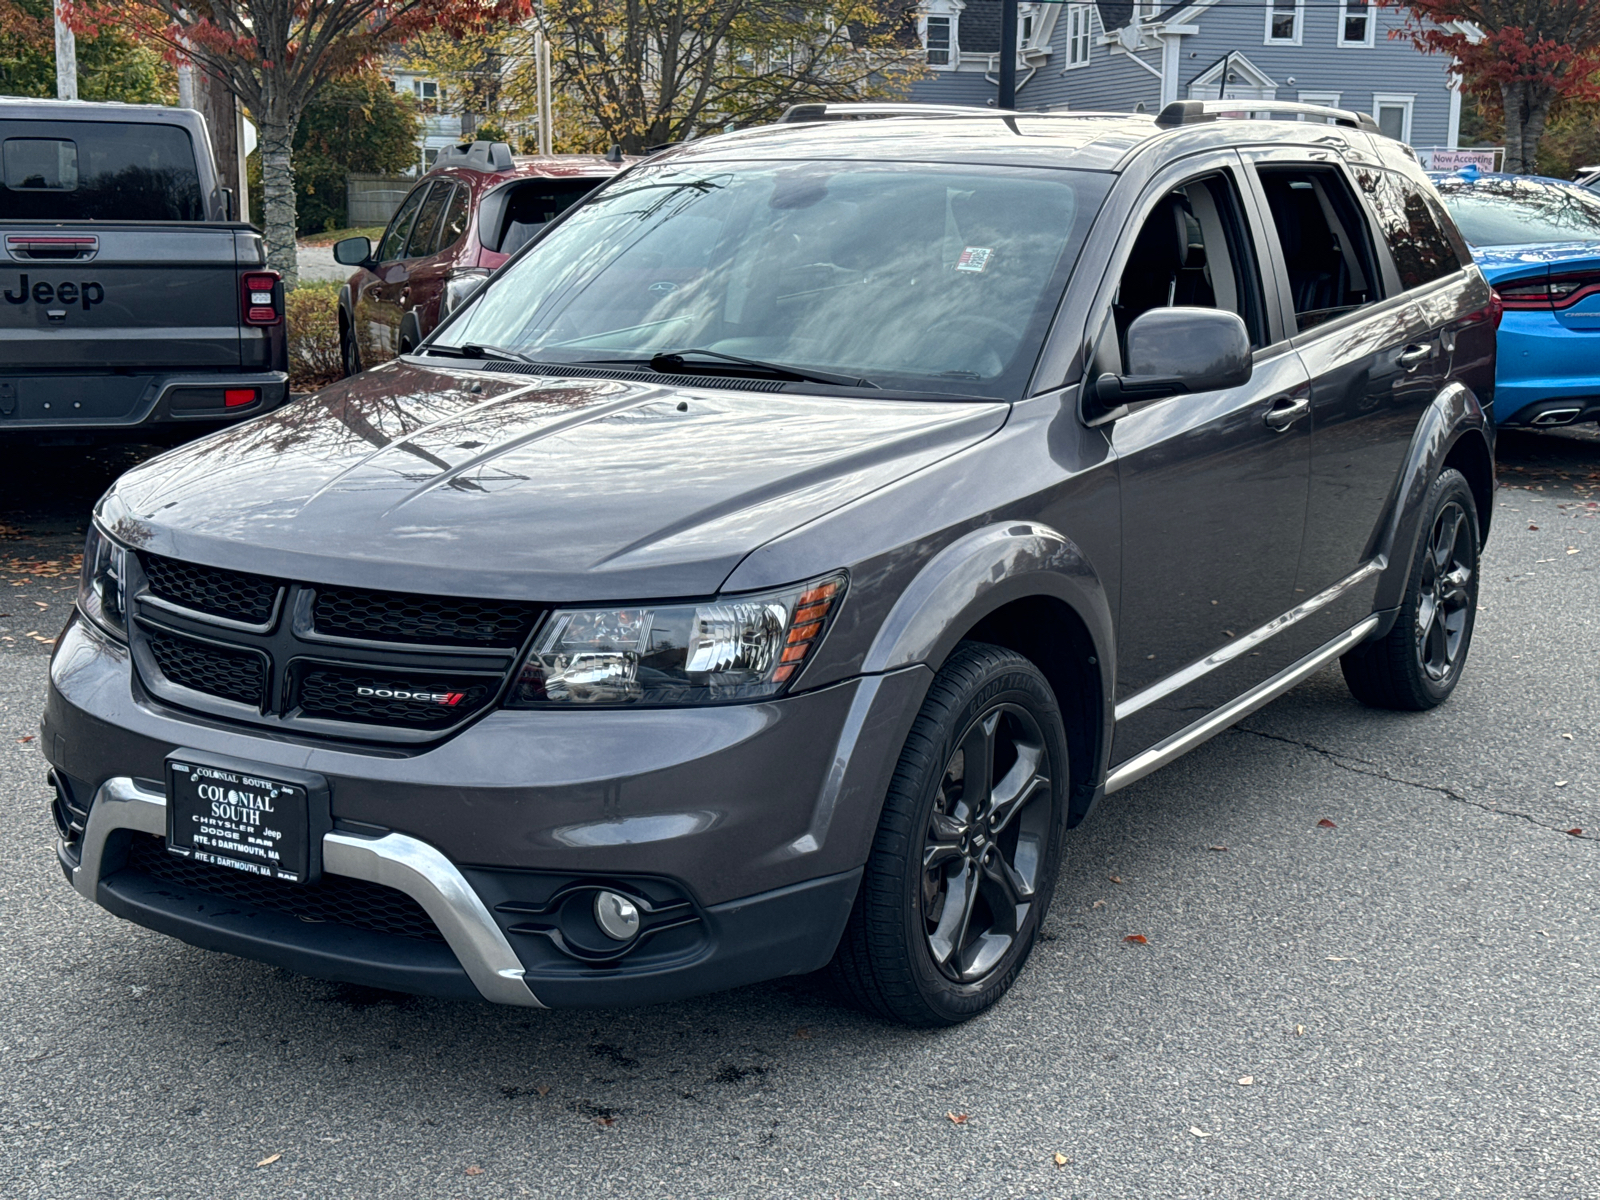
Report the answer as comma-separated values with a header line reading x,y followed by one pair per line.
x,y
963,866
1418,663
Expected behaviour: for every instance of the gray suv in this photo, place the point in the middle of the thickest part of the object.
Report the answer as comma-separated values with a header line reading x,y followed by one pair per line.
x,y
777,558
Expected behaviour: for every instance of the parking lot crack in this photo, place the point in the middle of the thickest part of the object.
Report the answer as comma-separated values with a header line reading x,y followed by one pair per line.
x,y
1361,766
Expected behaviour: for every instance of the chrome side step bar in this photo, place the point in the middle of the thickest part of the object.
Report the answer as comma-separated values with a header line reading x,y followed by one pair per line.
x,y
1213,723
394,860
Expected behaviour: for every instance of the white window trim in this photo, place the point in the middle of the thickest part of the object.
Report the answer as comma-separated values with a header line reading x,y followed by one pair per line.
x,y
1331,99
1405,100
1083,38
1372,26
1299,26
955,40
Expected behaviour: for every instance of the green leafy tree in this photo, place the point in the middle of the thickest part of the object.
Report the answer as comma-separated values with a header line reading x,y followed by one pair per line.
x,y
111,64
355,124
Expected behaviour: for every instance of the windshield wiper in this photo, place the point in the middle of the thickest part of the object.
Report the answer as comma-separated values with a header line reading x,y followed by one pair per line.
x,y
674,363
476,350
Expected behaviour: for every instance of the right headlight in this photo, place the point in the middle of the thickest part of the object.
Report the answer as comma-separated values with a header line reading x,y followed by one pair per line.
x,y
733,648
103,584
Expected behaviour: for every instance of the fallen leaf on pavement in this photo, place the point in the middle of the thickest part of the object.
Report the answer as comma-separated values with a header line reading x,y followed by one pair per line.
x,y
1336,958
474,1170
1572,550
1137,939
1220,849
1299,1031
1198,1132
1568,736
543,1089
1326,824
29,738
1247,1080
1098,904
802,1034
1114,878
605,1120
1575,832
1062,1160
269,1160
1561,783
957,1118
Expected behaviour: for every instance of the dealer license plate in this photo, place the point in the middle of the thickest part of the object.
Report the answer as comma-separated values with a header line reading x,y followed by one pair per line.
x,y
238,819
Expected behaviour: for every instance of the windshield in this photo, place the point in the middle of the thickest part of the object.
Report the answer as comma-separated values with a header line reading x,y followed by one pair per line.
x,y
910,276
1521,212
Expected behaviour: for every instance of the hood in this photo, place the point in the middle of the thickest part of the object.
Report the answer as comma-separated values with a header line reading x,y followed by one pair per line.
x,y
1514,262
445,481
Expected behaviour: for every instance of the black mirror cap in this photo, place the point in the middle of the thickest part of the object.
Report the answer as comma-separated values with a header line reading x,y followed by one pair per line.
x,y
1200,349
353,251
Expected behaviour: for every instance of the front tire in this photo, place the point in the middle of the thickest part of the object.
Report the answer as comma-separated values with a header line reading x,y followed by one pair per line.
x,y
1419,662
968,848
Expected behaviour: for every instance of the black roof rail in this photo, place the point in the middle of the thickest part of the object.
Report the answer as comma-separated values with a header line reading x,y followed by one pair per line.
x,y
1197,112
800,114
481,156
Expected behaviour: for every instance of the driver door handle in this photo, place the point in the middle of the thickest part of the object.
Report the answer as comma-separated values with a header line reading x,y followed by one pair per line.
x,y
1286,411
1414,354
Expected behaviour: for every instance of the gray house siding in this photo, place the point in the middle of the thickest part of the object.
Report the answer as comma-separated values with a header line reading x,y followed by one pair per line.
x,y
953,87
1109,83
1320,64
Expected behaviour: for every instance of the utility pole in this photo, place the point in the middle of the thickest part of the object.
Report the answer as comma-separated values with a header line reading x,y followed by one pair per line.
x,y
66,58
541,49
1008,54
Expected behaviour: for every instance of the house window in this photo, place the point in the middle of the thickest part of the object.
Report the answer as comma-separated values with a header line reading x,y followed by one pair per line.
x,y
1355,23
1283,22
1328,99
937,41
1077,35
1393,113
1027,28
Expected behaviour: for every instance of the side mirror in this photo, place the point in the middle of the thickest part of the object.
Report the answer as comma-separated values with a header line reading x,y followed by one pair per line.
x,y
1176,350
353,251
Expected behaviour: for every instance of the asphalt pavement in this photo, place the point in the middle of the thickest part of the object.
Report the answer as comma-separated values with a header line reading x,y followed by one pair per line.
x,y
1370,970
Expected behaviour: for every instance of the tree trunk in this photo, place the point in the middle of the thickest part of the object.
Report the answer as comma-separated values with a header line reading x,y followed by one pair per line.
x,y
1533,122
1512,103
277,189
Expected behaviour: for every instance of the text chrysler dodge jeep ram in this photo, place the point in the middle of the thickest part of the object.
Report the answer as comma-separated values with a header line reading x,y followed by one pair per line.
x,y
781,553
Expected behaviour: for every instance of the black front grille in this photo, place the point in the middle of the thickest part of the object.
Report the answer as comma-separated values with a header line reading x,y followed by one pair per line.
x,y
432,620
334,900
233,594
413,701
216,671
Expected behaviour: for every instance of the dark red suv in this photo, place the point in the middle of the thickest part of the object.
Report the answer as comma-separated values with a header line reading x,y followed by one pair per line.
x,y
464,218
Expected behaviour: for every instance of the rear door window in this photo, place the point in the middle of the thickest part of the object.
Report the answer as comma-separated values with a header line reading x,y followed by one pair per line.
x,y
1327,247
1410,225
454,222
98,171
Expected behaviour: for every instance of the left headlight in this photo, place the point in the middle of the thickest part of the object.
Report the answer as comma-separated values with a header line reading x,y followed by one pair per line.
x,y
732,648
460,288
103,585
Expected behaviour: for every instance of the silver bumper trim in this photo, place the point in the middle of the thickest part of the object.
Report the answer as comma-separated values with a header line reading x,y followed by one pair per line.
x,y
394,860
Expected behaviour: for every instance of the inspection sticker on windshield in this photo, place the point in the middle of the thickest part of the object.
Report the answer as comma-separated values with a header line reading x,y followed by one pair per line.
x,y
974,258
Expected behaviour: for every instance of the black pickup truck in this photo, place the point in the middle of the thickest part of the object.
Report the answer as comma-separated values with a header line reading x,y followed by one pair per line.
x,y
131,304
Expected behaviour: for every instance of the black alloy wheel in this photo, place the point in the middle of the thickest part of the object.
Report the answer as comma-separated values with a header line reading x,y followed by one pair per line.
x,y
982,850
1418,663
1448,576
968,848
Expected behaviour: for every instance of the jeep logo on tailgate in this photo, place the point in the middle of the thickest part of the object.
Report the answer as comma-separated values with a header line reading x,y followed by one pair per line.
x,y
89,294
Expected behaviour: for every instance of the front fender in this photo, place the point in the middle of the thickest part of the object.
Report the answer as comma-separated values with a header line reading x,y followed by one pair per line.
x,y
1454,414
980,573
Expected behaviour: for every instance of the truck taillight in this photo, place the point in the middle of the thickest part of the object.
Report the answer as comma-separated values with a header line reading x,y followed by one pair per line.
x,y
261,297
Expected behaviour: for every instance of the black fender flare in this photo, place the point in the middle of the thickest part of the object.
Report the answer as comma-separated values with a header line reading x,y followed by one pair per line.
x,y
1454,414
978,574
410,330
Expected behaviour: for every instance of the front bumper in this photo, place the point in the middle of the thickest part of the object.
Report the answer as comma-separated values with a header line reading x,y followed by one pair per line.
x,y
750,822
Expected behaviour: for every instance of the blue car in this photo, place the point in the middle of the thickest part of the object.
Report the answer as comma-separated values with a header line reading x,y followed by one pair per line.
x,y
1538,242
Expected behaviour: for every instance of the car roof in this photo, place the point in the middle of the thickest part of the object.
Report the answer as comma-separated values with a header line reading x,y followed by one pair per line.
x,y
1096,141
554,166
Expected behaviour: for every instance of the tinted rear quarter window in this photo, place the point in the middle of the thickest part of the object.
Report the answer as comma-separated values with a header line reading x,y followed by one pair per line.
x,y
98,171
1410,224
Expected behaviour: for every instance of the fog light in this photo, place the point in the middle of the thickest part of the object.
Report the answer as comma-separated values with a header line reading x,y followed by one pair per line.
x,y
617,916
